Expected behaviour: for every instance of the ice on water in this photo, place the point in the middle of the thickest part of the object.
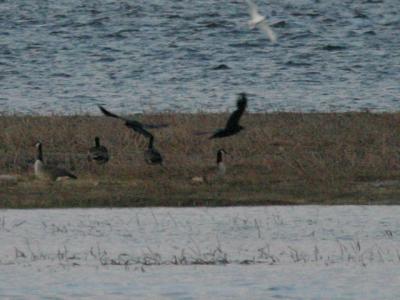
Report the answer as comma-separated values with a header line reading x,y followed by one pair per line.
x,y
341,252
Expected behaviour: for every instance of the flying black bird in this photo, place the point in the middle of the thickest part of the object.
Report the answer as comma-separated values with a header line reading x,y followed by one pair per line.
x,y
232,126
133,124
151,155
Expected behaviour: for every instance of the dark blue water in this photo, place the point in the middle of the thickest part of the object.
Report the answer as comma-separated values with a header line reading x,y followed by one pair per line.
x,y
66,56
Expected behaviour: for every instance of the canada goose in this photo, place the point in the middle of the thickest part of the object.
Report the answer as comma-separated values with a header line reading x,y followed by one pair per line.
x,y
214,172
133,124
151,155
232,126
47,172
98,153
221,169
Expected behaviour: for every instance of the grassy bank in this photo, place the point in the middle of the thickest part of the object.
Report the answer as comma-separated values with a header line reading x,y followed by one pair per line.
x,y
280,158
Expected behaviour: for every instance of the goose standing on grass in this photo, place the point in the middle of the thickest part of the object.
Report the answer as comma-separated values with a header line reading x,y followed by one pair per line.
x,y
215,172
151,155
260,21
220,170
232,126
98,153
48,172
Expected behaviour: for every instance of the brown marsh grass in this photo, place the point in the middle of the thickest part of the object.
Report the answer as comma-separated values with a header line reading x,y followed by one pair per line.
x,y
280,158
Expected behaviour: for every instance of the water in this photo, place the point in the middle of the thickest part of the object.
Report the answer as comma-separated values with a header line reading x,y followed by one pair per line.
x,y
150,55
303,252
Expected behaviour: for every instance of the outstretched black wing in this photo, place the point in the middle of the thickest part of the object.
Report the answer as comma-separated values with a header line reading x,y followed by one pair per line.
x,y
108,113
133,124
234,118
138,127
155,126
136,123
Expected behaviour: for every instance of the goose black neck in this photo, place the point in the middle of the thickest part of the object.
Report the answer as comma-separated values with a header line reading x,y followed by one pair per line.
x,y
39,155
151,139
97,141
219,157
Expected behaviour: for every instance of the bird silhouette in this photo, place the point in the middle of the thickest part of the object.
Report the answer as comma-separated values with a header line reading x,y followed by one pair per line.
x,y
151,155
133,124
260,21
98,153
232,126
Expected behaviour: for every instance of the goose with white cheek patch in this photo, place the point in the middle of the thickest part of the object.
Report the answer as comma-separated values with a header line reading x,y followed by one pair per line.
x,y
45,172
215,172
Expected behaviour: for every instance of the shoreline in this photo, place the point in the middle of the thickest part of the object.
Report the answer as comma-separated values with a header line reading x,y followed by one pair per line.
x,y
279,159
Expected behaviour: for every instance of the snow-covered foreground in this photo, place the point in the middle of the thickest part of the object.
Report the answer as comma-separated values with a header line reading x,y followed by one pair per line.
x,y
309,252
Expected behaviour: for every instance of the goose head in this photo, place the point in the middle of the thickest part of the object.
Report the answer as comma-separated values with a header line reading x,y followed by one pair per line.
x,y
220,154
39,155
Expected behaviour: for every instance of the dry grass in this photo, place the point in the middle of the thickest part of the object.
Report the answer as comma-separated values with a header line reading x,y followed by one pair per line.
x,y
280,158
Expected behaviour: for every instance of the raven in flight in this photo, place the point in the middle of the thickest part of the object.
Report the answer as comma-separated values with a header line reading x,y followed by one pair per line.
x,y
133,124
232,126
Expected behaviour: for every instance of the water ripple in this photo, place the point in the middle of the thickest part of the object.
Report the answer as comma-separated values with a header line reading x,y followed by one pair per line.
x,y
171,50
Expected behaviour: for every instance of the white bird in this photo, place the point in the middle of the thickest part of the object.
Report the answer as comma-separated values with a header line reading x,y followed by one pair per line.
x,y
259,21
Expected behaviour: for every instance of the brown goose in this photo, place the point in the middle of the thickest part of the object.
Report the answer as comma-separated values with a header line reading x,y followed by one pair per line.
x,y
98,153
